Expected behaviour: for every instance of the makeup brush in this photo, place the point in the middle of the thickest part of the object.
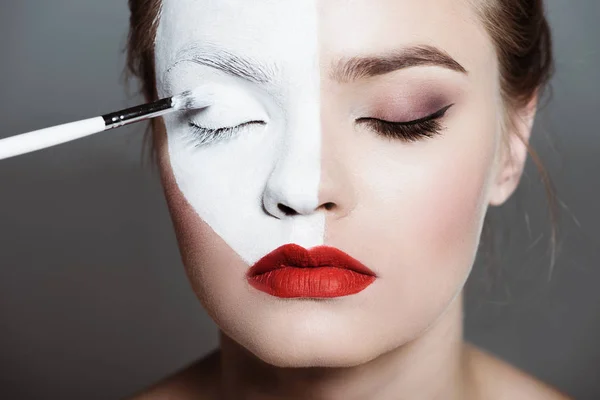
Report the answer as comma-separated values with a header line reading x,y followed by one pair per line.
x,y
43,138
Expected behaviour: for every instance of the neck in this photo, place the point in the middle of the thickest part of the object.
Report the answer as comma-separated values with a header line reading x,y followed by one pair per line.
x,y
429,367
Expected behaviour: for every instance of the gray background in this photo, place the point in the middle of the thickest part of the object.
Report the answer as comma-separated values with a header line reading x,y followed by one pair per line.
x,y
94,302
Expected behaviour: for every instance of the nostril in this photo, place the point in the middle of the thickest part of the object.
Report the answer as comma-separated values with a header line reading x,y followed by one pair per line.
x,y
286,210
329,206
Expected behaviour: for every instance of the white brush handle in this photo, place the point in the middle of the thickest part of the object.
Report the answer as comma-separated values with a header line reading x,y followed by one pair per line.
x,y
43,138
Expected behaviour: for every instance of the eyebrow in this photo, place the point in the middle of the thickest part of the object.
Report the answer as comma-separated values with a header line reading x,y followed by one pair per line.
x,y
354,68
225,61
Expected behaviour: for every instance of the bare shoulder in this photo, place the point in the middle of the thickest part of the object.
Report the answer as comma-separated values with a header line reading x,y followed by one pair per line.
x,y
495,379
197,382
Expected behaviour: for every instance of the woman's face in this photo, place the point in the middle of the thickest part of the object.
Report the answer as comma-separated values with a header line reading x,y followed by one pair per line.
x,y
295,149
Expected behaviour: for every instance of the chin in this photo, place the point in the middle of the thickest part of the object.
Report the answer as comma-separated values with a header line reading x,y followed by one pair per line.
x,y
313,340
321,353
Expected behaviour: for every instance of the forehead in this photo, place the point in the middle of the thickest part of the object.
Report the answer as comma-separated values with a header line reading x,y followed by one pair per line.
x,y
296,34
263,29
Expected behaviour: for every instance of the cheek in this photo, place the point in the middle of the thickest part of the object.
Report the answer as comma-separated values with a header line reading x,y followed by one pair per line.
x,y
451,206
421,207
200,246
450,199
439,222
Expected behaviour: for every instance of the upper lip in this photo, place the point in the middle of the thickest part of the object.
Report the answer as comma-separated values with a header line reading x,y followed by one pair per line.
x,y
292,255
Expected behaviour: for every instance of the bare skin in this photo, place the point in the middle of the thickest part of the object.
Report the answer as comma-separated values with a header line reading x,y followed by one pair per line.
x,y
493,379
451,369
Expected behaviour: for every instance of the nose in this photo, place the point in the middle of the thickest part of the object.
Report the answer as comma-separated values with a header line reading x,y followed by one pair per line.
x,y
288,206
293,186
305,181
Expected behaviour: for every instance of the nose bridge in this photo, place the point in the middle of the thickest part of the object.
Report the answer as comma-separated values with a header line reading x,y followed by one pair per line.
x,y
338,158
295,179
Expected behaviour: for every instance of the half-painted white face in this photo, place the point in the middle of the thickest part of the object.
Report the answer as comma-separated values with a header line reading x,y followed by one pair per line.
x,y
294,150
228,180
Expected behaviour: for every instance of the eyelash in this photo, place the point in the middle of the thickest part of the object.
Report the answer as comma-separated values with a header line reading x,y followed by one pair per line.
x,y
205,136
410,131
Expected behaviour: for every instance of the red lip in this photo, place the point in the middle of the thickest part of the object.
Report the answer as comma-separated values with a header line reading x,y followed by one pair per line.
x,y
321,272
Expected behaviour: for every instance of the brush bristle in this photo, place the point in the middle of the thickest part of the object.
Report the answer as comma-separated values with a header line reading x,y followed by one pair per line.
x,y
191,100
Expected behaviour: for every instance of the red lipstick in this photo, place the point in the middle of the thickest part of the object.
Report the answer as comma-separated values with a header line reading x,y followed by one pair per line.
x,y
321,272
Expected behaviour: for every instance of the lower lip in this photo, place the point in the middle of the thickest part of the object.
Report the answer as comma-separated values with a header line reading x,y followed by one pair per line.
x,y
318,282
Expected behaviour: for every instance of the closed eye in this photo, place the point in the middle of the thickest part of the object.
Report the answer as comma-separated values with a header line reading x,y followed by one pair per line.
x,y
409,131
204,136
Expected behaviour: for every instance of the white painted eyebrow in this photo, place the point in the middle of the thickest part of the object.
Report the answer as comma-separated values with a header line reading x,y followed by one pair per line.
x,y
226,61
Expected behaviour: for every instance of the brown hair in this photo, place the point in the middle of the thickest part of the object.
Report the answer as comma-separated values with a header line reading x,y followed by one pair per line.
x,y
518,28
523,41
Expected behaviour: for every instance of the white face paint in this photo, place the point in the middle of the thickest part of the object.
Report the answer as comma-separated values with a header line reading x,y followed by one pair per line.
x,y
275,159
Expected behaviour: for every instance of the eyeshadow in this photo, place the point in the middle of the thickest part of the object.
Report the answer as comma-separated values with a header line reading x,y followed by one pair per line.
x,y
403,108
